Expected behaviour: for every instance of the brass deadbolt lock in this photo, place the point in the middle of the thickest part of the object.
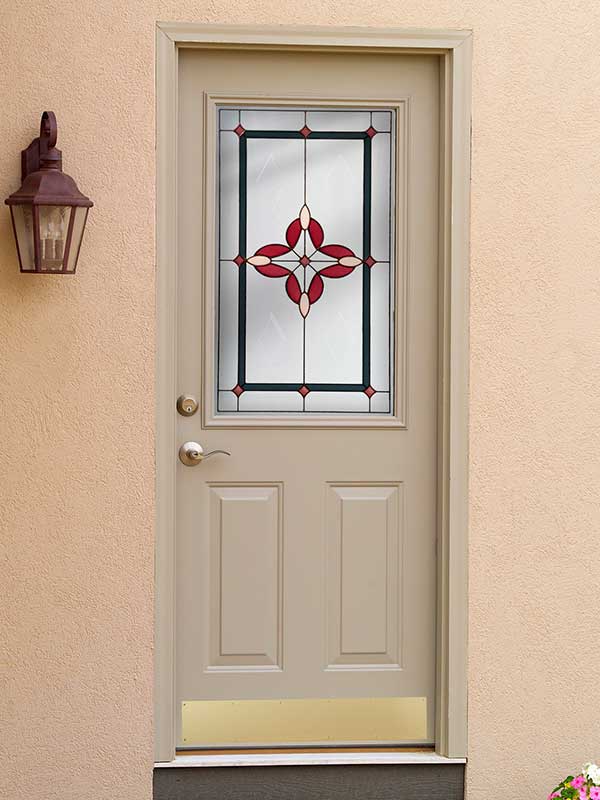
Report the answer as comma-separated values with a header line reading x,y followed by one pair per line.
x,y
187,405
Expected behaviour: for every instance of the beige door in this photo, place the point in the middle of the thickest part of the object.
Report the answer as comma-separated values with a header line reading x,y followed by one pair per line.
x,y
307,318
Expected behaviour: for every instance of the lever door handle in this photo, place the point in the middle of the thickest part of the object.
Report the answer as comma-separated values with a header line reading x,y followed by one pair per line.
x,y
192,453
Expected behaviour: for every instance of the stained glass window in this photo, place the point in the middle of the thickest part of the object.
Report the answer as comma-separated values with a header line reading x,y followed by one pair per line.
x,y
305,260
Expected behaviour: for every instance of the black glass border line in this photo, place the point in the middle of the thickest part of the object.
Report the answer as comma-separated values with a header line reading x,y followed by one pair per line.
x,y
367,158
242,234
314,387
311,135
219,266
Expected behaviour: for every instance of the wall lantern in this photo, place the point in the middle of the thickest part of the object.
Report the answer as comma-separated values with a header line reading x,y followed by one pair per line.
x,y
48,211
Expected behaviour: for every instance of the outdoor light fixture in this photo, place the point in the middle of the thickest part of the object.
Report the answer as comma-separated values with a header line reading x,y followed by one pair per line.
x,y
48,211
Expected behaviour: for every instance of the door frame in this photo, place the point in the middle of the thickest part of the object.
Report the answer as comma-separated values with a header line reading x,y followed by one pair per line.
x,y
455,50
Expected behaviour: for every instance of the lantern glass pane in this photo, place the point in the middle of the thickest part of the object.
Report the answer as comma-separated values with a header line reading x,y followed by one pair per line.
x,y
54,225
80,216
23,221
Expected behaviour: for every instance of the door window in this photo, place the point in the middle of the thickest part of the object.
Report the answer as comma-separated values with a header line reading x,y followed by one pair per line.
x,y
305,260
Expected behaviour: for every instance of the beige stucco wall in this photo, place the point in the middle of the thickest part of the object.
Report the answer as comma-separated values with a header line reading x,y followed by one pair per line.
x,y
76,469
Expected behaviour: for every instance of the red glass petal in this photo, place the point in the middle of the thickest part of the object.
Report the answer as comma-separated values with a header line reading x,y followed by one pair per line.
x,y
336,250
272,250
273,271
315,290
315,231
292,287
293,233
336,271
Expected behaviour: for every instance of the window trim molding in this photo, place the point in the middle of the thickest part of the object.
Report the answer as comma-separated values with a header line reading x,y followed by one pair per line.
x,y
455,49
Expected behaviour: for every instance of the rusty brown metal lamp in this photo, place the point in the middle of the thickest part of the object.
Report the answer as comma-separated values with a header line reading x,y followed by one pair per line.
x,y
48,212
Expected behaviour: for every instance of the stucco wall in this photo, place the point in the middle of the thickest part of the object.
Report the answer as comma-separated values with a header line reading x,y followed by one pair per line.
x,y
76,457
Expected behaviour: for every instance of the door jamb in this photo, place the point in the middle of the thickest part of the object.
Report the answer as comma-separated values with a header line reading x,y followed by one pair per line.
x,y
455,48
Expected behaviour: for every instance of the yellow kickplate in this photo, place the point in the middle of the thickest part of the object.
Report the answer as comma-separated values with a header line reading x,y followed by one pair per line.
x,y
268,722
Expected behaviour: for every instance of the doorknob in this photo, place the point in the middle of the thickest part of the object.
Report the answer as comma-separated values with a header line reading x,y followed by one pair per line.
x,y
191,453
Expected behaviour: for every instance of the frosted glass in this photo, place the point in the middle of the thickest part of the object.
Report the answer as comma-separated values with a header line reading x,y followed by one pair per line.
x,y
380,403
382,120
273,333
380,327
335,402
227,401
228,119
282,120
334,183
338,120
275,188
271,401
334,334
305,261
381,242
228,194
228,325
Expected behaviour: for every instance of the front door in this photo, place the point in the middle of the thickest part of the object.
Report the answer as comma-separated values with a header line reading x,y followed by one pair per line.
x,y
307,325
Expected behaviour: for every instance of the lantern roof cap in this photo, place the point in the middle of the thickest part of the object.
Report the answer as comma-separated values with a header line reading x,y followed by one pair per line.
x,y
48,187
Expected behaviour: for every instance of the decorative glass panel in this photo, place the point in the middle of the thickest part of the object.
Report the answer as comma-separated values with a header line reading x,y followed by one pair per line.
x,y
305,261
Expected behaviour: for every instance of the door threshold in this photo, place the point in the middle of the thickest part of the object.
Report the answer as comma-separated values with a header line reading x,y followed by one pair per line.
x,y
306,756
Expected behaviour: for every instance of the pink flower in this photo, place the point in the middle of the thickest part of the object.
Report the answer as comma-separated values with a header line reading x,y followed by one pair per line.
x,y
595,793
553,795
583,795
578,782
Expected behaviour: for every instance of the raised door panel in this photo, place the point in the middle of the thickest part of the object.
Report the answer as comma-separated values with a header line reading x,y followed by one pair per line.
x,y
245,577
363,576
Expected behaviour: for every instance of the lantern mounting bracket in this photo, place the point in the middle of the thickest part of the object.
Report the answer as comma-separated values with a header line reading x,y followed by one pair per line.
x,y
42,146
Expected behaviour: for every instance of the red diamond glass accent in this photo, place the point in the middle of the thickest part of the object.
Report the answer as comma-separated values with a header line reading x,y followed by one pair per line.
x,y
238,260
237,390
369,391
304,390
305,131
370,131
239,130
370,261
305,261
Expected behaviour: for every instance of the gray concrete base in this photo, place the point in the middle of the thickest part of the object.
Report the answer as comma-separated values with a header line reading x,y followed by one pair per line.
x,y
341,782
